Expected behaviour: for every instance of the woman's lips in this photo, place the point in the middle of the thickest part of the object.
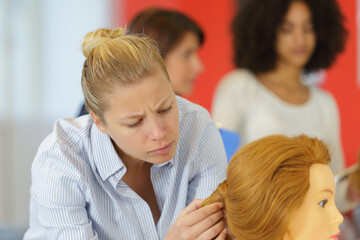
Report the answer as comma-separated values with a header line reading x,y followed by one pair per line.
x,y
300,51
163,150
336,236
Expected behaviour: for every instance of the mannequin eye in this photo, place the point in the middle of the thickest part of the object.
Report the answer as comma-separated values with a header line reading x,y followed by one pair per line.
x,y
323,203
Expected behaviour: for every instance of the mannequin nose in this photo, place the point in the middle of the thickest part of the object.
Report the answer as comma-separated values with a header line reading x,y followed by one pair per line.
x,y
337,217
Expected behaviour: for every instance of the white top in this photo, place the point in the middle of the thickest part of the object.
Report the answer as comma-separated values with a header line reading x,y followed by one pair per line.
x,y
242,104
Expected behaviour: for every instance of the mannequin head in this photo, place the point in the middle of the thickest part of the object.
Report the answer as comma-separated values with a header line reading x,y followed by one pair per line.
x,y
280,188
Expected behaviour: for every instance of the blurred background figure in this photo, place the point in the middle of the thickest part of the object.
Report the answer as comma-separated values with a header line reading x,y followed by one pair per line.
x,y
274,43
179,39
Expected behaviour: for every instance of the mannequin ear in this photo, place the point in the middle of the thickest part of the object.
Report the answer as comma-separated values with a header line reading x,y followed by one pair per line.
x,y
98,122
287,235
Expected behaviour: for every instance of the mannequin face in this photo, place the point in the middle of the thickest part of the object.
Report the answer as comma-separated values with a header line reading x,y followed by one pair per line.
x,y
183,64
317,218
295,37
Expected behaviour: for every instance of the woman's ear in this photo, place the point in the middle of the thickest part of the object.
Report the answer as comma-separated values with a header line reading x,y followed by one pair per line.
x,y
98,122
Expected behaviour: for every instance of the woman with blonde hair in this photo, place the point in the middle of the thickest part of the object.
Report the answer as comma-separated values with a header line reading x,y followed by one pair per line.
x,y
135,166
178,38
280,188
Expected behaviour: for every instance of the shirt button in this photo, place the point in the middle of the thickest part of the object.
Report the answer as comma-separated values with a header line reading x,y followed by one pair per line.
x,y
157,176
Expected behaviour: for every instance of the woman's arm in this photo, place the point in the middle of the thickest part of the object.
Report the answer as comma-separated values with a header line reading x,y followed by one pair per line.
x,y
58,202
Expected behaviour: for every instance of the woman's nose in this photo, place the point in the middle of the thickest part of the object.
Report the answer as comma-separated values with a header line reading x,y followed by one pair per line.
x,y
156,131
197,64
300,36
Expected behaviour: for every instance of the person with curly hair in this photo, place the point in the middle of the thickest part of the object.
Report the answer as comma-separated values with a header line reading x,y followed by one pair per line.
x,y
280,188
275,42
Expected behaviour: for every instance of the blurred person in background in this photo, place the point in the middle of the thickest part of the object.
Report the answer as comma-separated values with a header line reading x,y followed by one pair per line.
x,y
275,41
179,38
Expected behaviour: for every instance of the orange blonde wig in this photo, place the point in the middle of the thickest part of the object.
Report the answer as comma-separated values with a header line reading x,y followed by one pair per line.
x,y
266,181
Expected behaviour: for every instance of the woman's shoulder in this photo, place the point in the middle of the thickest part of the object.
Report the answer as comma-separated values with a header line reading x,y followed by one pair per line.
x,y
187,107
322,96
238,75
65,144
192,117
237,80
71,131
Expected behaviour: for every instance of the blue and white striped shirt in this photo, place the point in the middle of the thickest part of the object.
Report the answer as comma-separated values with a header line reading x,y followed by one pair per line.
x,y
77,191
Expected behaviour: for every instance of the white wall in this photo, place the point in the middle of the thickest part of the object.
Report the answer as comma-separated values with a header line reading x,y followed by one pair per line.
x,y
40,71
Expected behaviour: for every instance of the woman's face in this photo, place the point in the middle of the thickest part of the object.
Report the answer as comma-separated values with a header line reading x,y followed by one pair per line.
x,y
143,120
183,64
296,38
317,218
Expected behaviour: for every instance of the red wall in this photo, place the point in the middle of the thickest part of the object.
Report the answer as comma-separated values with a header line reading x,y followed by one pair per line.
x,y
342,83
215,19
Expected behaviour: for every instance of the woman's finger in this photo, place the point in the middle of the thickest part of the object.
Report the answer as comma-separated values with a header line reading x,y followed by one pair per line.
x,y
194,205
213,230
204,213
222,235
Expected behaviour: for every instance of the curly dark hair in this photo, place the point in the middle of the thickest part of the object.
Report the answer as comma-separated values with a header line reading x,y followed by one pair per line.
x,y
255,28
166,27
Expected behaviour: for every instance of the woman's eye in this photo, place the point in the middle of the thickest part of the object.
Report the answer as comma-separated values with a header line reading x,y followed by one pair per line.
x,y
323,203
166,110
285,30
187,55
134,124
309,29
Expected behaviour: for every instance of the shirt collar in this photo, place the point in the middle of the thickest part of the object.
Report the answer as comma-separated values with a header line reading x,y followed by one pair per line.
x,y
165,164
104,155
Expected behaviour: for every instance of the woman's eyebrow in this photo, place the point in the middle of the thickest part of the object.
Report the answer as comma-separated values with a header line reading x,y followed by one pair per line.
x,y
139,115
132,115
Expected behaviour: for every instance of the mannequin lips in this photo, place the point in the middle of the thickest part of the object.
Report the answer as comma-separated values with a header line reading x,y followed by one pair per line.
x,y
336,236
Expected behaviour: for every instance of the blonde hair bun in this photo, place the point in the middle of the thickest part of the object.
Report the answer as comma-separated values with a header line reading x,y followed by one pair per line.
x,y
98,37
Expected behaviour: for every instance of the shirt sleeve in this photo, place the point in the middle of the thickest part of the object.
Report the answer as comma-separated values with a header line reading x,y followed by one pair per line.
x,y
209,165
58,200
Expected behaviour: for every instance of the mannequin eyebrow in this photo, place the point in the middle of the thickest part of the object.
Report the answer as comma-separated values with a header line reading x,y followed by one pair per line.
x,y
328,190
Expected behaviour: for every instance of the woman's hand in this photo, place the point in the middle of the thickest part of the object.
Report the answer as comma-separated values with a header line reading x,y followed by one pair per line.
x,y
199,223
